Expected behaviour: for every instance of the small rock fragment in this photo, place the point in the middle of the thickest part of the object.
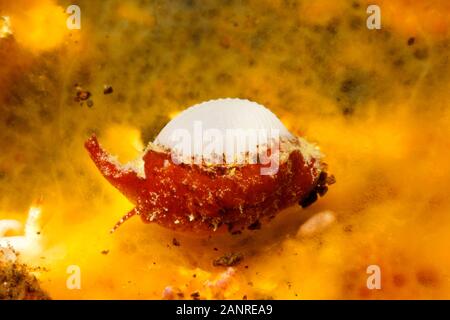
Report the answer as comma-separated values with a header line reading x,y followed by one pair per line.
x,y
107,89
81,94
195,295
228,260
175,242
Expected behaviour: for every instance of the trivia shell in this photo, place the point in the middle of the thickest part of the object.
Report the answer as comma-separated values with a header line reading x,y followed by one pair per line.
x,y
181,185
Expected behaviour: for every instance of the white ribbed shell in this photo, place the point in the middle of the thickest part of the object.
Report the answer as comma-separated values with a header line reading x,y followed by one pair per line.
x,y
221,115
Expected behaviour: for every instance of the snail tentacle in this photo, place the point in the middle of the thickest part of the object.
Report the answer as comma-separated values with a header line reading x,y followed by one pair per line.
x,y
130,214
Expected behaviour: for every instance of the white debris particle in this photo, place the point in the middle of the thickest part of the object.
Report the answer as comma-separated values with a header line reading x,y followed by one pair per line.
x,y
316,224
29,243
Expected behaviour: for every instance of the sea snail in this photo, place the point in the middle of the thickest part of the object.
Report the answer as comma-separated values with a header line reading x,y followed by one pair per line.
x,y
225,164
